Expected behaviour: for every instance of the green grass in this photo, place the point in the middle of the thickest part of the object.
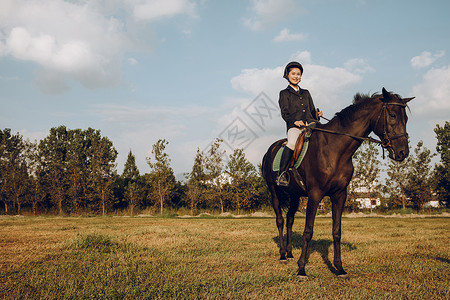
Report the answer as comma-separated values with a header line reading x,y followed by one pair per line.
x,y
219,258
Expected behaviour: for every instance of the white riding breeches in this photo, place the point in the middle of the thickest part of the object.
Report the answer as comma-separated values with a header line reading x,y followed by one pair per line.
x,y
292,136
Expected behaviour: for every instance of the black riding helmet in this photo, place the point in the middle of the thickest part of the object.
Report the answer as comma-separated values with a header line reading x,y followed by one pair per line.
x,y
289,66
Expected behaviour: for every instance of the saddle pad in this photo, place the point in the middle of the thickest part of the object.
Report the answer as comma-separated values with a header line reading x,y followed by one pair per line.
x,y
277,159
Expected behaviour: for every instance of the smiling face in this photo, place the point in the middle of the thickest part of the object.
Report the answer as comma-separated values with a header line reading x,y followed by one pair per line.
x,y
294,76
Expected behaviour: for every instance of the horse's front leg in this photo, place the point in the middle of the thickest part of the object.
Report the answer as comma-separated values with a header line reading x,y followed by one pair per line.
x,y
290,216
311,209
338,201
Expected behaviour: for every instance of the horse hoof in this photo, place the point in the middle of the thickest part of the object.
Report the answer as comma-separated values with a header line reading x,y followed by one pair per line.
x,y
301,274
344,277
302,277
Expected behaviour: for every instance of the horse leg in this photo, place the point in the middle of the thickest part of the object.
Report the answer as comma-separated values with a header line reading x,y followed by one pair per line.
x,y
293,207
311,209
338,201
280,225
279,220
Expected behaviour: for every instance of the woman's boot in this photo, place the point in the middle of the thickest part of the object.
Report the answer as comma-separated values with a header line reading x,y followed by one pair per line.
x,y
283,176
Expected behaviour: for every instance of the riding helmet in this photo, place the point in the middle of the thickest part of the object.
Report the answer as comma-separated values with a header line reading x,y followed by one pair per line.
x,y
289,66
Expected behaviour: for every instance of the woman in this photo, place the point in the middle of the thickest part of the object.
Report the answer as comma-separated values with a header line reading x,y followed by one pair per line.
x,y
298,110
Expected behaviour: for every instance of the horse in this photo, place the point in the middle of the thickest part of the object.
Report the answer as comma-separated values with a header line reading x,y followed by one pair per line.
x,y
327,167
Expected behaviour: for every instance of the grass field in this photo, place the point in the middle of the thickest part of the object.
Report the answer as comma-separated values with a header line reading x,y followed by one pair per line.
x,y
224,258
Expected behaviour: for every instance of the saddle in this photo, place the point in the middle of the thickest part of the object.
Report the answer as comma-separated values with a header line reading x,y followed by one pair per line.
x,y
301,146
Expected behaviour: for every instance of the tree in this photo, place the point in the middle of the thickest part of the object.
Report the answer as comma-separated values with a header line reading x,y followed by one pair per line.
x,y
196,181
36,175
53,150
442,170
131,177
78,167
102,159
162,174
396,182
13,169
214,167
367,170
243,175
418,187
78,143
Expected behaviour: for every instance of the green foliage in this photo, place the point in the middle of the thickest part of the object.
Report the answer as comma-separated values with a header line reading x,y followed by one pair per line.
x,y
13,169
367,168
419,184
442,172
74,172
244,186
396,183
215,177
161,176
196,184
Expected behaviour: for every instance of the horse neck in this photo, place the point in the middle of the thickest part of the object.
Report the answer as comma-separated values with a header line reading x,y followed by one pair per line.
x,y
363,118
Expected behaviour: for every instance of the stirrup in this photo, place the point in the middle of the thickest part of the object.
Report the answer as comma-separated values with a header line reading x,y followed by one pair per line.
x,y
283,179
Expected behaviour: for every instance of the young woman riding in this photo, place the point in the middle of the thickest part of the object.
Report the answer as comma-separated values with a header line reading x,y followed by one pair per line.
x,y
298,110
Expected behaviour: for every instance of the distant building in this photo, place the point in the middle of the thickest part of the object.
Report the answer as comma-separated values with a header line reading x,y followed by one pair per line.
x,y
364,200
432,204
368,203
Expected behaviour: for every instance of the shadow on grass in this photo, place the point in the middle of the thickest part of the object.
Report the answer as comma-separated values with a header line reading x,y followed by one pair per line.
x,y
442,259
321,246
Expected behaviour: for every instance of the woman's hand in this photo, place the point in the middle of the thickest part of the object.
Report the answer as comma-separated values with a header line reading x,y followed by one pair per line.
x,y
299,123
319,113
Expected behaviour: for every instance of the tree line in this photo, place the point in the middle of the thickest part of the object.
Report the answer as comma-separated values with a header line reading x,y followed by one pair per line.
x,y
410,183
75,171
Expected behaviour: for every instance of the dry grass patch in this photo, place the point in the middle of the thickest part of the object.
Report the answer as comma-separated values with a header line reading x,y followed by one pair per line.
x,y
162,258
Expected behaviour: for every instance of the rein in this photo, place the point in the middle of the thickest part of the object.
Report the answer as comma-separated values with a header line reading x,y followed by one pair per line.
x,y
386,143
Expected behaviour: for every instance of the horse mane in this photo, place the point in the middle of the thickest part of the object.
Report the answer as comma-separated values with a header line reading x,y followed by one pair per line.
x,y
346,115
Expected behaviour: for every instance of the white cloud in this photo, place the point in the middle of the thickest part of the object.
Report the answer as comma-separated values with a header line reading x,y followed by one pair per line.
x,y
358,66
69,40
268,12
432,94
151,10
286,36
254,81
79,41
132,61
327,85
425,59
304,57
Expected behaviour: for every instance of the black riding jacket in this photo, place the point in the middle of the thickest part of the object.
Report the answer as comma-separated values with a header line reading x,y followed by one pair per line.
x,y
296,106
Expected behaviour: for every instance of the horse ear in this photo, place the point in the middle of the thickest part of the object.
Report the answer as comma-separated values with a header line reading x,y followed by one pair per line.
x,y
406,100
386,95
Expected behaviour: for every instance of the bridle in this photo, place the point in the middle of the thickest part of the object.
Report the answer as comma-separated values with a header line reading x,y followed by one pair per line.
x,y
385,143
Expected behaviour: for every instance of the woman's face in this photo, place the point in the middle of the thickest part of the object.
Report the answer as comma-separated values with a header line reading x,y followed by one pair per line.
x,y
294,75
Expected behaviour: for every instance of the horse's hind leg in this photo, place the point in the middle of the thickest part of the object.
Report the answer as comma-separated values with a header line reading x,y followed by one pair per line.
x,y
293,207
280,225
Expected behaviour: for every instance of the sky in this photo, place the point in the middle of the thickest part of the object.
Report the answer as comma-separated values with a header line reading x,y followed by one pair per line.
x,y
191,71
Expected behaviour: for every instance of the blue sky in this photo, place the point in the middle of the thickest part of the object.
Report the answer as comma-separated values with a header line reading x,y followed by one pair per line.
x,y
189,71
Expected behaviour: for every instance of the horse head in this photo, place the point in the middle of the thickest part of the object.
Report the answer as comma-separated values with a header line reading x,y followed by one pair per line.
x,y
390,126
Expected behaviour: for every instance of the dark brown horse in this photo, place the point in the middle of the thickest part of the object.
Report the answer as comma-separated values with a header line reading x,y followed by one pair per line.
x,y
327,167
